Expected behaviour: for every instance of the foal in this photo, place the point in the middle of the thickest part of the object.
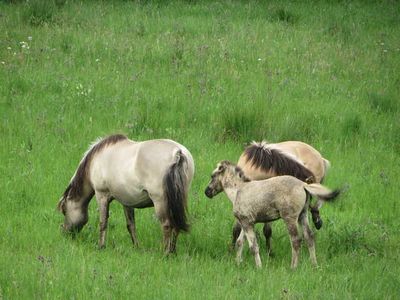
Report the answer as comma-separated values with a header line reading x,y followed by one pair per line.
x,y
268,200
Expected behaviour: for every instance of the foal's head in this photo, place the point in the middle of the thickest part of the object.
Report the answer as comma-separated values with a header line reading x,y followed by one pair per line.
x,y
224,170
75,211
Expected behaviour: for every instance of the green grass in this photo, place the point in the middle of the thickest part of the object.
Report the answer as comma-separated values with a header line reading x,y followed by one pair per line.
x,y
212,75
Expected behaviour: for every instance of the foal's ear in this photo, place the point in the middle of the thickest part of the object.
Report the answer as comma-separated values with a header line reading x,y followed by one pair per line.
x,y
222,166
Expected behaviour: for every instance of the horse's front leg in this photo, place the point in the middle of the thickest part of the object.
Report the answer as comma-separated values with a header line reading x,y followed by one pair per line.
x,y
103,200
130,224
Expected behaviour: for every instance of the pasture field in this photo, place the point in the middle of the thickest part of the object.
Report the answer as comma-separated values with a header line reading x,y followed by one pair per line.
x,y
212,75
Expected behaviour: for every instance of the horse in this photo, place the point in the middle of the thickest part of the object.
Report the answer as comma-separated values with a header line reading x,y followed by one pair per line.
x,y
265,201
138,175
261,160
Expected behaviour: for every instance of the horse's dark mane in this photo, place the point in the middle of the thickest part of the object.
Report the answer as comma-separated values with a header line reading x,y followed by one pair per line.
x,y
239,171
75,187
273,159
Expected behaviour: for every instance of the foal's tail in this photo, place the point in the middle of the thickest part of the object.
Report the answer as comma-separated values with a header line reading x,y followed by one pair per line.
x,y
321,192
175,185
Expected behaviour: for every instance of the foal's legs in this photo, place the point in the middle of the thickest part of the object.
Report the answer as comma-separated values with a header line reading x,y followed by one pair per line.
x,y
130,223
309,237
103,200
252,240
295,240
239,246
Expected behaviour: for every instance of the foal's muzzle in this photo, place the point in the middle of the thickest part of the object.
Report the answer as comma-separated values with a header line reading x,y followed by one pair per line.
x,y
209,192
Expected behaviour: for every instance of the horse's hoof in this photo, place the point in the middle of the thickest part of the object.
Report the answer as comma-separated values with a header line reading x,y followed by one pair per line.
x,y
318,224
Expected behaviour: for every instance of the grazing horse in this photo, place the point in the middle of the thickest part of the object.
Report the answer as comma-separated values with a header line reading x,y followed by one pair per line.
x,y
261,160
138,174
268,200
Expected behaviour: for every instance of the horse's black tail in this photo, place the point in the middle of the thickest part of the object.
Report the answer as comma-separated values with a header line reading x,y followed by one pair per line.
x,y
175,184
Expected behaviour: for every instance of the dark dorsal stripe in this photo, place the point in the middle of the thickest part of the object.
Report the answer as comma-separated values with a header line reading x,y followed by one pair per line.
x,y
277,161
75,187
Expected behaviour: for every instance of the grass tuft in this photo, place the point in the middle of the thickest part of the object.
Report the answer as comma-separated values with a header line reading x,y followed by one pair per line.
x,y
383,103
40,12
285,16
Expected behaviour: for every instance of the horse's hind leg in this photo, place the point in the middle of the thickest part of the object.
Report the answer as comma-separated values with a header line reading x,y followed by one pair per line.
x,y
309,237
103,200
315,214
130,223
170,235
267,230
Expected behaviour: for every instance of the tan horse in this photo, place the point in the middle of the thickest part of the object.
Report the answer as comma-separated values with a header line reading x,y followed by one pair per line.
x,y
261,160
137,174
265,201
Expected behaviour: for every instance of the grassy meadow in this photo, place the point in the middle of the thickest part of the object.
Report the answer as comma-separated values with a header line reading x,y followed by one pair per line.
x,y
212,75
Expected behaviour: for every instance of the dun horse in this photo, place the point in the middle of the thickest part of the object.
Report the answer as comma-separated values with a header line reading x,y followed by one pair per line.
x,y
267,200
138,174
261,160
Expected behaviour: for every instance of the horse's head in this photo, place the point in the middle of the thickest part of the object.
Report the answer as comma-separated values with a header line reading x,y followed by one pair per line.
x,y
225,169
75,214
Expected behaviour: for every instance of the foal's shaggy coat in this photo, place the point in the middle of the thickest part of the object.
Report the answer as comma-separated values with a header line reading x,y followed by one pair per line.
x,y
267,200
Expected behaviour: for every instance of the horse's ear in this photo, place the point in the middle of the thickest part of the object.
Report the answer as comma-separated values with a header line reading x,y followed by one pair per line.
x,y
61,205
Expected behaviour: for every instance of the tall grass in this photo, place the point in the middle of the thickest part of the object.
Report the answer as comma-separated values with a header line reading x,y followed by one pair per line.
x,y
214,76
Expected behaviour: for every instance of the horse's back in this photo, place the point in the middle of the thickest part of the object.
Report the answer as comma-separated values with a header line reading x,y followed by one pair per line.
x,y
308,155
130,171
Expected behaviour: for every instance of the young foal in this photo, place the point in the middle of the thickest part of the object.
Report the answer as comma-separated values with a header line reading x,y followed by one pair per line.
x,y
138,174
268,200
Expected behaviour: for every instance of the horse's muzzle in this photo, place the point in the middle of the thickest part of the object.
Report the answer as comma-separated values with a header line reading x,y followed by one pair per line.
x,y
209,193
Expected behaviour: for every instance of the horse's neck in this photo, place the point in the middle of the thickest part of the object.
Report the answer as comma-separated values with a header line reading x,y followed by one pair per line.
x,y
231,188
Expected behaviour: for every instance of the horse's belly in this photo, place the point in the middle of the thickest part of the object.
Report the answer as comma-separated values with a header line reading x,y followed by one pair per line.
x,y
137,199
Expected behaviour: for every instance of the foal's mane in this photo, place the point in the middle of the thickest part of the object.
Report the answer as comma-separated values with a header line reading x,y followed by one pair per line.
x,y
75,187
238,171
266,157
